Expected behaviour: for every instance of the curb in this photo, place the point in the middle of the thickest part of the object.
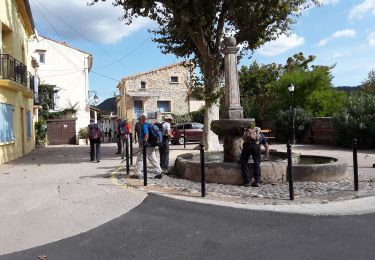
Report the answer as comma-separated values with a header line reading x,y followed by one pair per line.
x,y
337,208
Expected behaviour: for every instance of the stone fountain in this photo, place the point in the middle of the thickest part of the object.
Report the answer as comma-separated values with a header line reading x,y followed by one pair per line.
x,y
224,167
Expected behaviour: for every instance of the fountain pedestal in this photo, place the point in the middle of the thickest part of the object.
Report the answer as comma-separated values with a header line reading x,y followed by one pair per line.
x,y
232,127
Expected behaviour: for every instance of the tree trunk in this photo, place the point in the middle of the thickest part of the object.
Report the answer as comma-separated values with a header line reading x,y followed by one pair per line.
x,y
212,75
210,139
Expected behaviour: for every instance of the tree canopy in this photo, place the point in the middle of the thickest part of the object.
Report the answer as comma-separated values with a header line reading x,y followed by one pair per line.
x,y
264,88
196,30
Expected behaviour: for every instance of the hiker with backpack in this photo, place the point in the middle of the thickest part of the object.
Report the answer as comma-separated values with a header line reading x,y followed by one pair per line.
x,y
165,126
122,133
251,146
94,134
151,137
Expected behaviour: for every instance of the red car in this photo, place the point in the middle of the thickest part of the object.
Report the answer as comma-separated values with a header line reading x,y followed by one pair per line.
x,y
193,133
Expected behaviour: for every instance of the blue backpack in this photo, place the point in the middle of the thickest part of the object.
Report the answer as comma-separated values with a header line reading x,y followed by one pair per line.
x,y
155,136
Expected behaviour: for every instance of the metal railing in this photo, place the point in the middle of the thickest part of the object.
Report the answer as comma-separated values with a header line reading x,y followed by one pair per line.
x,y
14,70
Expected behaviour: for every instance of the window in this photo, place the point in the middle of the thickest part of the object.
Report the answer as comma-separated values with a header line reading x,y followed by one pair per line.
x,y
164,106
6,123
143,84
174,79
188,126
42,58
197,126
28,124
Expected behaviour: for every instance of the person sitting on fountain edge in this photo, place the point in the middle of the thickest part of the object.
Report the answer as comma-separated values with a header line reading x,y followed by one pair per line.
x,y
251,146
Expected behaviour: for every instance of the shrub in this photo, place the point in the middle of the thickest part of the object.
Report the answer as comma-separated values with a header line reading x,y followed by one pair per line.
x,y
357,120
195,116
282,124
82,133
41,132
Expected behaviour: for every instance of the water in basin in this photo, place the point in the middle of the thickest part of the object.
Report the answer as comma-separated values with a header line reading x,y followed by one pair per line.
x,y
315,160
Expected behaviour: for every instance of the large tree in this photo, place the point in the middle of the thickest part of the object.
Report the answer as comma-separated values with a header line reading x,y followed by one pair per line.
x,y
368,85
195,29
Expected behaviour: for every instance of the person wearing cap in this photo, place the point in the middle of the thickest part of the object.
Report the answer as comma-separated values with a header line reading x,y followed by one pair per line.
x,y
150,151
164,148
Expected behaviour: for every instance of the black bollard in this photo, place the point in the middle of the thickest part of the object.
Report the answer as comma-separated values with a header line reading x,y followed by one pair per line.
x,y
184,138
290,172
203,173
127,155
131,148
355,164
144,164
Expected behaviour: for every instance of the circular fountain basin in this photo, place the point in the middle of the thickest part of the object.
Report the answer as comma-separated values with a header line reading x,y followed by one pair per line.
x,y
305,168
319,168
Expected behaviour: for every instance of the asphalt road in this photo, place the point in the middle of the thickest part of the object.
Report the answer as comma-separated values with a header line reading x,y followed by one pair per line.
x,y
164,228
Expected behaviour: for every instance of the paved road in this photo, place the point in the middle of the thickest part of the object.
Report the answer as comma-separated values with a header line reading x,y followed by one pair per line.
x,y
55,192
164,228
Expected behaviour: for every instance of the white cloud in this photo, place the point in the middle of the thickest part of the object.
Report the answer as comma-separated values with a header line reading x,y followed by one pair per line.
x,y
371,39
99,22
281,44
340,54
338,34
344,33
322,42
358,11
328,2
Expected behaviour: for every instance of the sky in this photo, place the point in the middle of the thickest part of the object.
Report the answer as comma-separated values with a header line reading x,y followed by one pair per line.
x,y
341,32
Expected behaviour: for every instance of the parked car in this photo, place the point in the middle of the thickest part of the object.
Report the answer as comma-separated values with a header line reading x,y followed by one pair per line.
x,y
193,132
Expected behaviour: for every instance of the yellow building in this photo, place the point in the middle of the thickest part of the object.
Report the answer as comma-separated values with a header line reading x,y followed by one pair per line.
x,y
16,99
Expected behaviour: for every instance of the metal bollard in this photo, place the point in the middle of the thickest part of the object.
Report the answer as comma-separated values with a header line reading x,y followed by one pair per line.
x,y
203,173
127,155
355,164
131,148
144,164
290,172
184,138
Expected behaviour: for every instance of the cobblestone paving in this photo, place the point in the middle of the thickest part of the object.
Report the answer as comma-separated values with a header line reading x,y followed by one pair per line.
x,y
274,193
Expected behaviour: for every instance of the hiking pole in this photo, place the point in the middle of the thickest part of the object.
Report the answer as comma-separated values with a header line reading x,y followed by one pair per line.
x,y
355,164
127,155
144,165
131,148
290,171
203,174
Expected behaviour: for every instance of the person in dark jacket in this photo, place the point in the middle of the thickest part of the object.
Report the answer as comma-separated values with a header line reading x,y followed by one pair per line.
x,y
252,147
94,134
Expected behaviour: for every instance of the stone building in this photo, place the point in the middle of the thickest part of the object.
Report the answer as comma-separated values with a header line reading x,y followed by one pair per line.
x,y
158,92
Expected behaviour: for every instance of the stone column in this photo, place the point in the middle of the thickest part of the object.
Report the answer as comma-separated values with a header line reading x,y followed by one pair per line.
x,y
233,109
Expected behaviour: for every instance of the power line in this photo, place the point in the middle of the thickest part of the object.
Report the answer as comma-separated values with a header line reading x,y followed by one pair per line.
x,y
126,55
74,29
104,76
95,45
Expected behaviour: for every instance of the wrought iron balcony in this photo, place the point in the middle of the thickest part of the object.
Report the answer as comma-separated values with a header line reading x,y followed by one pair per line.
x,y
14,70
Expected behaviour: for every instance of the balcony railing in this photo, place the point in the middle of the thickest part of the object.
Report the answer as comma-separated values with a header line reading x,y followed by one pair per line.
x,y
12,69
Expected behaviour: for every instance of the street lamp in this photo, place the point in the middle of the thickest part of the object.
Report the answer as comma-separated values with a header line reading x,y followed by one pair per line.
x,y
293,132
95,99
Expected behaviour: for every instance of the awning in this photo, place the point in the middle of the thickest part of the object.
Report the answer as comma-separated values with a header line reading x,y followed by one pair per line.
x,y
141,94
